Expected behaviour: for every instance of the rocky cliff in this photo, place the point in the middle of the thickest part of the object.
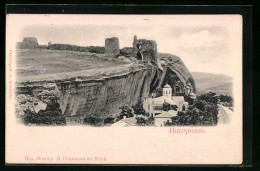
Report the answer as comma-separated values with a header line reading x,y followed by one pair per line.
x,y
104,95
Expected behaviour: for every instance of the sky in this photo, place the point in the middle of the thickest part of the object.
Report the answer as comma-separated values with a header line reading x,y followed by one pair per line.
x,y
206,43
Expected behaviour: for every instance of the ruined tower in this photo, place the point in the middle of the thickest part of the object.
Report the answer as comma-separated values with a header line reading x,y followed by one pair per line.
x,y
112,46
145,50
28,43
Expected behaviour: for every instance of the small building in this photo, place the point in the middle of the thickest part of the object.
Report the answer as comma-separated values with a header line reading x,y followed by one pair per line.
x,y
165,116
125,122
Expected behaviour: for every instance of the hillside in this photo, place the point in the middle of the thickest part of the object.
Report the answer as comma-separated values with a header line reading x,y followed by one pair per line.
x,y
43,64
218,83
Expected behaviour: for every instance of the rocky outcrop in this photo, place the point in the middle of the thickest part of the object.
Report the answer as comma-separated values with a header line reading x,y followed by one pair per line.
x,y
112,46
174,65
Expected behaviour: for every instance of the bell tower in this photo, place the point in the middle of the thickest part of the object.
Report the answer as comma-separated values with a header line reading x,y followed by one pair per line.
x,y
167,91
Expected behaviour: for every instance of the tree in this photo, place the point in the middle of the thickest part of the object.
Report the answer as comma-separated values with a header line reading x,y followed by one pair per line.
x,y
209,97
44,117
52,115
227,99
158,92
141,120
138,108
144,121
126,111
203,111
167,107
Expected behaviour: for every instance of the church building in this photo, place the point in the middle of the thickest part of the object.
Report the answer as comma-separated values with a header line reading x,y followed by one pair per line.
x,y
154,106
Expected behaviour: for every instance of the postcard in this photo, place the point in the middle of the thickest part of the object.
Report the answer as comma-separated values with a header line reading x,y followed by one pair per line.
x,y
124,89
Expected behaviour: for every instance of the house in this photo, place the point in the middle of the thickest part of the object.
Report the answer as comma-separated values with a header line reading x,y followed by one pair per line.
x,y
125,122
165,116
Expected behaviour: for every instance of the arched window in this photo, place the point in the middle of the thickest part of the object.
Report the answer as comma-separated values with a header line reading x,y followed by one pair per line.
x,y
177,89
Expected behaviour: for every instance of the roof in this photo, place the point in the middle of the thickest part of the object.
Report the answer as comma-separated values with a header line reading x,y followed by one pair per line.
x,y
131,121
178,99
163,99
167,114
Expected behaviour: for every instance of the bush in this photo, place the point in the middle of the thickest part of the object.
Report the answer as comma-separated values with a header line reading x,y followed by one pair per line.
x,y
138,108
144,121
52,115
226,99
126,111
44,117
204,111
167,107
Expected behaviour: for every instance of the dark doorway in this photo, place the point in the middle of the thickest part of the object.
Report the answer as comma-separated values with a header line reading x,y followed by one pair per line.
x,y
139,55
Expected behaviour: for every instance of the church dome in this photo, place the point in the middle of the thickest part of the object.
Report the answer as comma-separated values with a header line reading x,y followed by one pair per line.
x,y
167,86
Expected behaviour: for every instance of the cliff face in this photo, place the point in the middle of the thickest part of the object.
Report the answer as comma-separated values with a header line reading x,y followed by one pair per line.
x,y
105,96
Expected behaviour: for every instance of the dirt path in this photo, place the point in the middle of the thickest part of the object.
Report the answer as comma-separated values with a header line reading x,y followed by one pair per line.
x,y
224,115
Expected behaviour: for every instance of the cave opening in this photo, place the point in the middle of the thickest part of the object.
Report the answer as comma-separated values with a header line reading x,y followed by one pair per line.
x,y
175,82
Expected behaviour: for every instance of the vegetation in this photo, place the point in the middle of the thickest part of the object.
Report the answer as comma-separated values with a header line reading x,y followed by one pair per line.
x,y
92,49
203,111
109,120
144,121
90,120
158,92
126,111
167,107
226,100
51,116
138,109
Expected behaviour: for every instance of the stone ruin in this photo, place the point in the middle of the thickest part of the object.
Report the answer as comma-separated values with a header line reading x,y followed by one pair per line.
x,y
112,46
145,50
28,43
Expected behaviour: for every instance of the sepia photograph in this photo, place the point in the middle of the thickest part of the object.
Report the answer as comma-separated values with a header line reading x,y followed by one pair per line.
x,y
107,78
